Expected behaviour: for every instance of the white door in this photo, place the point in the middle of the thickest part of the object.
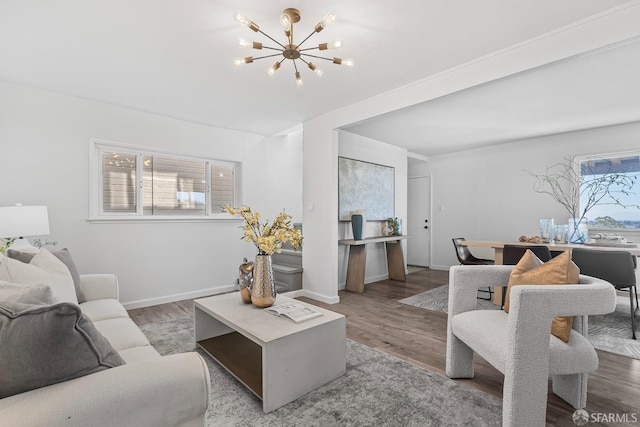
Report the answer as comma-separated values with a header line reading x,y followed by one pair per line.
x,y
418,224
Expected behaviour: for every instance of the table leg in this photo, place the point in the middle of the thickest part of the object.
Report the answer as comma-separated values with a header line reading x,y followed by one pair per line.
x,y
356,268
395,261
497,291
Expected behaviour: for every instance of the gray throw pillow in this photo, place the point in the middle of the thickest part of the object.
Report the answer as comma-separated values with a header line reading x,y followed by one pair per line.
x,y
63,255
44,345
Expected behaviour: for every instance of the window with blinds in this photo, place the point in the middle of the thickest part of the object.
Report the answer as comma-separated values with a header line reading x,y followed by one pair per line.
x,y
150,184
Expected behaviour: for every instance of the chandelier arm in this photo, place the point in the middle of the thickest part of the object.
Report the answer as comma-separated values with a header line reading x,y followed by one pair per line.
x,y
272,48
272,39
295,66
315,56
307,38
267,56
309,48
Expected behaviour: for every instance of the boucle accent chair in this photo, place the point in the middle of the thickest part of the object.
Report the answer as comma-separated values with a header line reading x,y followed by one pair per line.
x,y
519,343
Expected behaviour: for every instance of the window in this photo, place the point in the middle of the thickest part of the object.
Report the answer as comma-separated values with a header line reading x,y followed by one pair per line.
x,y
139,183
608,213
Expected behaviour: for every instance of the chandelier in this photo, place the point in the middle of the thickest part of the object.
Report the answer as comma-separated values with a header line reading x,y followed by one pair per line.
x,y
290,50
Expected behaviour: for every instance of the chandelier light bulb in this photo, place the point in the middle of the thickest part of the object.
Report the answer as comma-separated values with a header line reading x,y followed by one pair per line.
x,y
328,19
246,22
319,72
285,21
299,81
247,43
348,62
335,45
241,61
241,19
325,21
271,71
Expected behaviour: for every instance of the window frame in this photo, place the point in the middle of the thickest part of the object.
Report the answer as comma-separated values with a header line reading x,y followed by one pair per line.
x,y
607,155
96,187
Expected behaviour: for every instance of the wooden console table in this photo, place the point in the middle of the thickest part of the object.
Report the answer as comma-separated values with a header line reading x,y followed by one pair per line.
x,y
358,259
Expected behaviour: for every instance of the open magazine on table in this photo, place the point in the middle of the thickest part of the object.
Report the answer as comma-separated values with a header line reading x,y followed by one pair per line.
x,y
296,312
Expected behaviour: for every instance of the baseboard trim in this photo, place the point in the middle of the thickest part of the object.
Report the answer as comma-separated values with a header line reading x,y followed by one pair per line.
x,y
440,267
319,297
178,297
293,294
367,280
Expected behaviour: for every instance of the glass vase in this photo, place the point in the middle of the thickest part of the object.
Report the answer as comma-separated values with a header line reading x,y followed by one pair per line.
x,y
578,230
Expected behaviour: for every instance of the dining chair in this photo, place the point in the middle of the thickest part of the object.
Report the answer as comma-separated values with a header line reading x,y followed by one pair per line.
x,y
511,254
465,257
616,267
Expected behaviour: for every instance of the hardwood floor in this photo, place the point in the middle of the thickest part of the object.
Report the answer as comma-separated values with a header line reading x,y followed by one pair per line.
x,y
375,318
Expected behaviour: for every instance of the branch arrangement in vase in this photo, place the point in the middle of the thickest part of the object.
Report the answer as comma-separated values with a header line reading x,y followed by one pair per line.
x,y
567,186
268,237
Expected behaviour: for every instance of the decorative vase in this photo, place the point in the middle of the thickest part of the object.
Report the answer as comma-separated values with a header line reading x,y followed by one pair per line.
x,y
578,230
245,281
397,227
263,290
356,225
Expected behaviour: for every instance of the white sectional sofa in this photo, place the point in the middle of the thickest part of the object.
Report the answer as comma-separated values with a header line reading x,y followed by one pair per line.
x,y
148,390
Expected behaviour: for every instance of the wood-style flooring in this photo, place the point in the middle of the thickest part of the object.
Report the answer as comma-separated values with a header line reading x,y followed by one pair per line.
x,y
375,318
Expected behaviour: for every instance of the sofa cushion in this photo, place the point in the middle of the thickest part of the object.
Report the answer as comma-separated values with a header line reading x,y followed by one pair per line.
x,y
63,255
122,333
139,354
102,309
48,344
26,294
44,269
558,271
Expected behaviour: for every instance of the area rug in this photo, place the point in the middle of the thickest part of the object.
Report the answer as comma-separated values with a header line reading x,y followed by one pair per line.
x,y
377,390
610,332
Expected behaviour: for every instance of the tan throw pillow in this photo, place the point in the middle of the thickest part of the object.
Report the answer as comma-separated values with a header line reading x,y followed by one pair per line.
x,y
558,271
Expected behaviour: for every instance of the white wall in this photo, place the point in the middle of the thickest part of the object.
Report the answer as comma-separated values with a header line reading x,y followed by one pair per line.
x,y
274,176
320,207
369,150
320,145
44,152
486,194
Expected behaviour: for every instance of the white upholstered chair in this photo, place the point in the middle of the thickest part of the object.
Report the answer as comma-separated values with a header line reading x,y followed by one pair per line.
x,y
519,343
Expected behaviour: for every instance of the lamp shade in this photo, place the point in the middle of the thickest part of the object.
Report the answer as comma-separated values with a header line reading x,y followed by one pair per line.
x,y
21,221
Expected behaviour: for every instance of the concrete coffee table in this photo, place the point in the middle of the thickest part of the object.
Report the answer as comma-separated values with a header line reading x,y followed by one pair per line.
x,y
277,359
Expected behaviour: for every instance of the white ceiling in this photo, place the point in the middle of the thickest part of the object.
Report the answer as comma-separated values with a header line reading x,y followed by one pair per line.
x,y
175,57
600,88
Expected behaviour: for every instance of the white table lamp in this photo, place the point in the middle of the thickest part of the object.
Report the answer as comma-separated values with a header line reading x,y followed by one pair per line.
x,y
21,221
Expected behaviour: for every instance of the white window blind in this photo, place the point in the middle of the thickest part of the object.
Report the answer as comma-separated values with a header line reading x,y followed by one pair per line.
x,y
147,184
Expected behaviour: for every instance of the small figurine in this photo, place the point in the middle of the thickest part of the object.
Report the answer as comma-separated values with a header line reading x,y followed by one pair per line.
x,y
245,281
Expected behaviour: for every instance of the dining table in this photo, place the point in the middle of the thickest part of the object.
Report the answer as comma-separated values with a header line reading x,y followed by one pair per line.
x,y
498,248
